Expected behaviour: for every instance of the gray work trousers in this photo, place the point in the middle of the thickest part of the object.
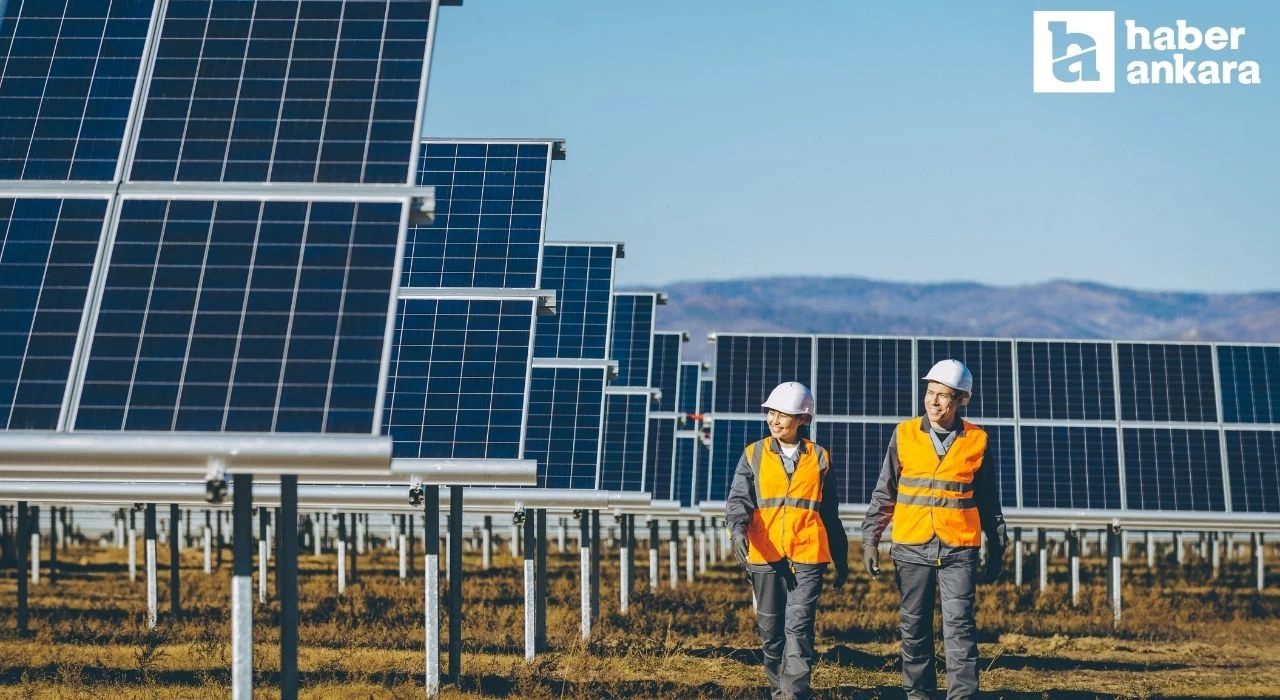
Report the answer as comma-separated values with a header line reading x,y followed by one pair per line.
x,y
784,620
955,575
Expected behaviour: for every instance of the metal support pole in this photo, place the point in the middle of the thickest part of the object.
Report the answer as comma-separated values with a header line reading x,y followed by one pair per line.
x,y
530,588
486,544
35,544
242,588
431,569
653,554
595,565
1179,548
413,545
1116,537
325,537
208,550
624,566
149,526
359,532
401,542
1042,550
53,544
262,555
342,553
1215,554
351,547
1150,541
584,561
455,583
175,560
1258,559
1017,556
132,538
702,546
540,595
688,551
23,528
562,535
515,540
219,540
673,551
287,585
1073,553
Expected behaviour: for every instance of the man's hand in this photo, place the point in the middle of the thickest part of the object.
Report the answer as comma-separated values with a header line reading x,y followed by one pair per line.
x,y
995,564
842,575
871,560
739,548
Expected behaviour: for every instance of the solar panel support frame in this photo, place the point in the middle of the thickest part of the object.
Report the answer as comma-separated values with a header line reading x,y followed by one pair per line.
x,y
1222,431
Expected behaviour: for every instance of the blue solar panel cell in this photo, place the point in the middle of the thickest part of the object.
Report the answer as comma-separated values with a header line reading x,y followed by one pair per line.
x,y
1253,459
706,393
690,372
1070,467
728,439
284,91
686,470
625,433
1167,382
458,377
632,341
488,225
566,407
1250,376
857,453
582,278
242,316
749,367
47,251
67,74
991,362
659,472
664,373
865,377
1066,380
1172,469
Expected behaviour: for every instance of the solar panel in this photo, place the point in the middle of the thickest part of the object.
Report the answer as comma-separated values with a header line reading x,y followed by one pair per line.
x,y
566,406
458,378
690,374
1070,467
706,392
1253,459
1065,380
582,277
728,439
284,91
748,367
47,252
1167,382
865,377
625,434
67,74
857,452
701,482
242,316
665,371
661,458
991,362
685,485
1173,469
490,201
632,341
1250,377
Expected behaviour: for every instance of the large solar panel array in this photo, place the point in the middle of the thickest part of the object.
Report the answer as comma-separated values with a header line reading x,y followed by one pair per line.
x,y
133,301
1071,424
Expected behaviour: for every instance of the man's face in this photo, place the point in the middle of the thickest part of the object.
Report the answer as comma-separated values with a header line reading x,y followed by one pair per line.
x,y
940,404
784,427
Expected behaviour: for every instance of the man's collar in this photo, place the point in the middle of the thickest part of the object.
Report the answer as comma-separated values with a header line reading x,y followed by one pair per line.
x,y
957,425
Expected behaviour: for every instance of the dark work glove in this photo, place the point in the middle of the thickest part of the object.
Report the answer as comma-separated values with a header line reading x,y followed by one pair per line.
x,y
739,548
783,569
995,563
842,575
871,560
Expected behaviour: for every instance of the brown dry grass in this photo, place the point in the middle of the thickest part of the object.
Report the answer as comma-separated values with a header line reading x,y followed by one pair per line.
x,y
1182,635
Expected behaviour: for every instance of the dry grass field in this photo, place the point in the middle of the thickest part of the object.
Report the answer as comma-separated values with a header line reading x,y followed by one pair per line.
x,y
1182,635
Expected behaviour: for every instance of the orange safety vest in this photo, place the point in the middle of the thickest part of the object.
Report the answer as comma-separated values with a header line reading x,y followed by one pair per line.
x,y
786,522
936,496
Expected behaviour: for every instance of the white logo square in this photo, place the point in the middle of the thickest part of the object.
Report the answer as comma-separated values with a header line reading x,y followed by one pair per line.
x,y
1073,51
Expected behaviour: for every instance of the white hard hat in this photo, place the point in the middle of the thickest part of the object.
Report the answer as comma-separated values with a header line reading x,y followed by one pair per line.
x,y
792,398
953,373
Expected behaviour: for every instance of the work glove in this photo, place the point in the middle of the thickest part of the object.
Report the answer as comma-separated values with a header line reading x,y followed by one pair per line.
x,y
995,563
739,548
842,575
871,559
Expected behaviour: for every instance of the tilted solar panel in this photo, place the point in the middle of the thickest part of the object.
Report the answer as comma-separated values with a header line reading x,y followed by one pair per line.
x,y
1173,469
284,91
1250,379
857,452
68,69
1060,380
632,341
865,377
488,226
1167,382
706,392
991,362
659,470
1253,458
665,371
748,367
690,372
47,252
242,316
1070,467
582,277
686,470
566,406
458,377
626,424
728,439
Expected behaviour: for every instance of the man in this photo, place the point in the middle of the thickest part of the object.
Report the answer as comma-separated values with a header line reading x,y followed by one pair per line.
x,y
941,499
782,514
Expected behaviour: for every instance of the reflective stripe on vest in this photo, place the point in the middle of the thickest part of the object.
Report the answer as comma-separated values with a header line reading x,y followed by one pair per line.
x,y
935,496
786,522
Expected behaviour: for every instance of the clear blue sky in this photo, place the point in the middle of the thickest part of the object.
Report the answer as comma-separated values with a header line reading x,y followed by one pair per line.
x,y
896,141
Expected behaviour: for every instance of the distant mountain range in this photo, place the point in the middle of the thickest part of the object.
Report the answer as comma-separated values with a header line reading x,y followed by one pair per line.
x,y
1057,309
